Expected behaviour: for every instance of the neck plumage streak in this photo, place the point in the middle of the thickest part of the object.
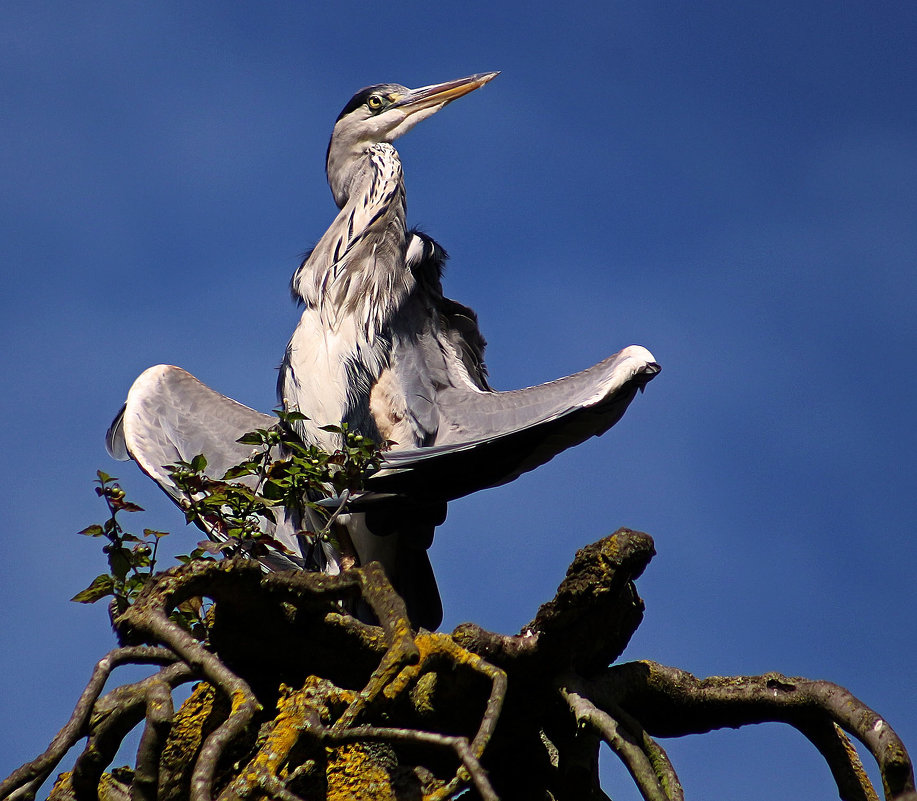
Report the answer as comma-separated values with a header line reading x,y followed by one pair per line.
x,y
351,285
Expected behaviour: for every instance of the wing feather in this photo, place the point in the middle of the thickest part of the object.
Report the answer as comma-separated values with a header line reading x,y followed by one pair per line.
x,y
170,416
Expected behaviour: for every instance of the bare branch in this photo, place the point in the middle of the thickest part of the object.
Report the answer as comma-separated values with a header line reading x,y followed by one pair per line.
x,y
596,595
440,647
24,782
159,714
671,703
156,623
114,715
620,741
148,619
426,718
852,782
295,715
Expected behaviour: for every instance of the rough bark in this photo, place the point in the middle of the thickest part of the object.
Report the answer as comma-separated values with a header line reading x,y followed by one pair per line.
x,y
298,701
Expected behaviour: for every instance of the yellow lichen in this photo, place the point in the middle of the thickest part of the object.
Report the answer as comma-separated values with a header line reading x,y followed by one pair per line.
x,y
423,692
62,789
187,732
353,775
110,788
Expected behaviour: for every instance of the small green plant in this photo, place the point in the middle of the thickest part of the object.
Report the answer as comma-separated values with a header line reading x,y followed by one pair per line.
x,y
281,473
131,560
237,510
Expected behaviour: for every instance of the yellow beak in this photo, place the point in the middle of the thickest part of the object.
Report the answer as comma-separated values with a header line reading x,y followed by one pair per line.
x,y
439,94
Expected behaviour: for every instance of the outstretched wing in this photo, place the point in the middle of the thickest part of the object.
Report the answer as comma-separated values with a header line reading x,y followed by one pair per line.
x,y
488,438
455,434
170,416
484,438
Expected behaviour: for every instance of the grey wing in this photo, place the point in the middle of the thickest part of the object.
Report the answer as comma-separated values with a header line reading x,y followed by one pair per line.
x,y
170,416
455,325
435,342
487,438
459,327
471,436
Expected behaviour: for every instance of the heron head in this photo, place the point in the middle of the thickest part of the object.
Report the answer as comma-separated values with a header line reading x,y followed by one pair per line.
x,y
382,113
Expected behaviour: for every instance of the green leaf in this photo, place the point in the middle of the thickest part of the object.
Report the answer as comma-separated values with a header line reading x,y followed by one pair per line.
x,y
243,469
120,505
208,546
101,587
290,417
252,438
104,477
298,449
119,560
332,429
149,532
199,463
135,583
95,530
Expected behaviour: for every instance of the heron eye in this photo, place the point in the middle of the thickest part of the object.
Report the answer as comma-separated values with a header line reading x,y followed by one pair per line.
x,y
375,102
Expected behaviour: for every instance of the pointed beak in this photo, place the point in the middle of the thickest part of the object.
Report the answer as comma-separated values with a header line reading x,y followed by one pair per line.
x,y
440,94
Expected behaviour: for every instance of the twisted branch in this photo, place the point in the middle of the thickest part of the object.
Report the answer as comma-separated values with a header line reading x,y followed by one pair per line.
x,y
159,715
460,745
401,663
435,648
517,716
671,703
113,716
24,782
645,760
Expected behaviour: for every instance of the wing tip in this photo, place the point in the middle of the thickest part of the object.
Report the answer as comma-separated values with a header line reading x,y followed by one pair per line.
x,y
646,367
115,443
115,437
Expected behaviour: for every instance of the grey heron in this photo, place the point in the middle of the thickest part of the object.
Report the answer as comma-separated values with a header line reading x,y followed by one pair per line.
x,y
379,346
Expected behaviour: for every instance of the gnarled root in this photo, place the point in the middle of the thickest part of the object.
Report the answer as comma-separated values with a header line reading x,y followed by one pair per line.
x,y
627,703
298,701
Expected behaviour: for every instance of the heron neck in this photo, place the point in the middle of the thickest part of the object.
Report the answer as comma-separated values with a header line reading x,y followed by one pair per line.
x,y
347,163
358,268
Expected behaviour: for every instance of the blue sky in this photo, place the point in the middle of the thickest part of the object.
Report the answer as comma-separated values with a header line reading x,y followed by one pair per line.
x,y
732,185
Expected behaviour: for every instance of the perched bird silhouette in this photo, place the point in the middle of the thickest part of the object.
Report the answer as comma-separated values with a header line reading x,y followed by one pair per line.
x,y
379,347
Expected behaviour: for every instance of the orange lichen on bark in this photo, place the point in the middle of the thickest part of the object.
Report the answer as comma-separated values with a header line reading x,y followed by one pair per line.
x,y
188,728
354,774
110,788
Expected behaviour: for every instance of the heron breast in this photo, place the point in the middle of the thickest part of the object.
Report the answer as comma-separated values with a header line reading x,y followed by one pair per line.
x,y
388,408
